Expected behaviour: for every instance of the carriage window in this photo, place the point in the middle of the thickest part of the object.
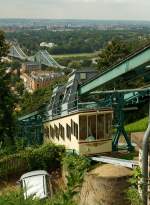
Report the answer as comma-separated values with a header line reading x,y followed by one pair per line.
x,y
46,131
68,130
100,126
108,122
91,127
62,131
83,127
53,134
59,129
76,130
51,131
56,131
72,127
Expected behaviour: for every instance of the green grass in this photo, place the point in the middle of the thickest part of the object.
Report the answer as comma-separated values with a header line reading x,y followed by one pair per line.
x,y
138,126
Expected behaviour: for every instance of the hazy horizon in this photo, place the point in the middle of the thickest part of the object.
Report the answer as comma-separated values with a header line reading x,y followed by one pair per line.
x,y
133,10
74,19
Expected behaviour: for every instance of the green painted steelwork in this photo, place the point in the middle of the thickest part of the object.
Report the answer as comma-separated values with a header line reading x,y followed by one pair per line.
x,y
118,99
118,106
41,57
32,114
30,128
133,62
139,62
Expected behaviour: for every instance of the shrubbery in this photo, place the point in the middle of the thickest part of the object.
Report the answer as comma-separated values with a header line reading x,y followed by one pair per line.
x,y
16,198
45,157
133,193
76,167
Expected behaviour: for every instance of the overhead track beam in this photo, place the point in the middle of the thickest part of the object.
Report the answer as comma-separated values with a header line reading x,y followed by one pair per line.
x,y
138,59
120,91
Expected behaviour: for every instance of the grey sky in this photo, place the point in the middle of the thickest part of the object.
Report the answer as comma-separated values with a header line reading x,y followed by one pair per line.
x,y
76,9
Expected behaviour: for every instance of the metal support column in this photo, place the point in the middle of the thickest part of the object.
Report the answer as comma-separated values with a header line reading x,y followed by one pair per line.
x,y
118,106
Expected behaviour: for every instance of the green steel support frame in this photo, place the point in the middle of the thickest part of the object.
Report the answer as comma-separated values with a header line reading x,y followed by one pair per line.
x,y
140,59
118,106
138,62
30,124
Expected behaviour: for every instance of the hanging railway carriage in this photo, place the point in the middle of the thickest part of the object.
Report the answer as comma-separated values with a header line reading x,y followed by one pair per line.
x,y
76,125
85,132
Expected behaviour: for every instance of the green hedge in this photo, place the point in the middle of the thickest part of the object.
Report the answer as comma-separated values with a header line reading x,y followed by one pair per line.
x,y
45,157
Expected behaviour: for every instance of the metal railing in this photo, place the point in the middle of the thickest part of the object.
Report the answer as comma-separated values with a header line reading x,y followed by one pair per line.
x,y
71,107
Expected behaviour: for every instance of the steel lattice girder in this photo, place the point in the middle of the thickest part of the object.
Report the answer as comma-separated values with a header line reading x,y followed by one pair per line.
x,y
133,62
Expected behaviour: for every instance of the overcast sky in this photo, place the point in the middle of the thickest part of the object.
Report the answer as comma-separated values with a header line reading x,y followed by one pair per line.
x,y
76,9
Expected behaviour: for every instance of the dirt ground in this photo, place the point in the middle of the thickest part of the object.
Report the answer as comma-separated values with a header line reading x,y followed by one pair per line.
x,y
9,184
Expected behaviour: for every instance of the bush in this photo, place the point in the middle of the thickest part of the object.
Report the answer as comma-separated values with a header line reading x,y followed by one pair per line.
x,y
16,198
7,150
20,143
76,167
45,157
132,193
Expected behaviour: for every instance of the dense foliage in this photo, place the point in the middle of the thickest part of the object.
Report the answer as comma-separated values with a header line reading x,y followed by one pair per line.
x,y
113,53
76,41
3,46
30,102
47,157
7,99
16,198
132,193
76,167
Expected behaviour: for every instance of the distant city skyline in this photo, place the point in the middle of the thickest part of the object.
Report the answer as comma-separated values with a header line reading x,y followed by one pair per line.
x,y
76,9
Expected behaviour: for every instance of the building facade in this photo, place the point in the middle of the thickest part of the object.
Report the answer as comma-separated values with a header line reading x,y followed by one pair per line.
x,y
28,67
38,79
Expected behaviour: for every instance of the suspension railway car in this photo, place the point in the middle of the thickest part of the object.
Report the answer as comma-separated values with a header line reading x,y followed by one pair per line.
x,y
85,132
74,123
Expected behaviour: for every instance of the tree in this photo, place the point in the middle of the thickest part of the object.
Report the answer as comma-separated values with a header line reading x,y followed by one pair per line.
x,y
7,99
112,53
75,65
20,87
87,63
15,65
3,46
